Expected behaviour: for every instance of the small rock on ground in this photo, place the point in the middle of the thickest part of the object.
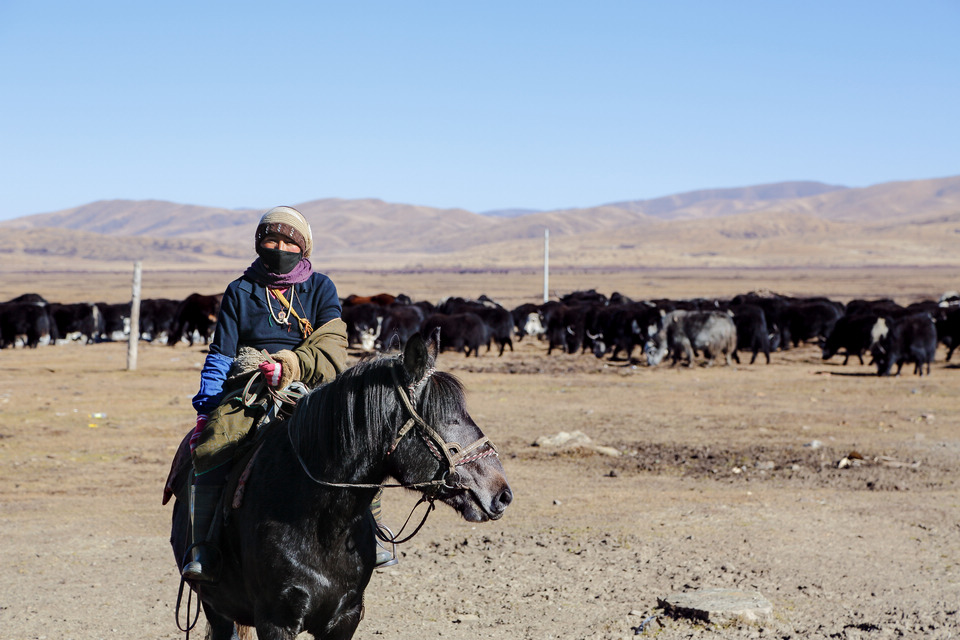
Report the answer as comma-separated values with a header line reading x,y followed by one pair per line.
x,y
718,605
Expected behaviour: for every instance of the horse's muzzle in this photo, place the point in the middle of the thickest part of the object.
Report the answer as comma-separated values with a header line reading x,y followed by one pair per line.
x,y
500,504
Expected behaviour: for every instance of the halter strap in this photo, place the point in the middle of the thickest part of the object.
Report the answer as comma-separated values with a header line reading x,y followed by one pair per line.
x,y
453,454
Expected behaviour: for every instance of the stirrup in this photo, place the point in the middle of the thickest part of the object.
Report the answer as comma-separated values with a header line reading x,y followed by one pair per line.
x,y
193,572
385,557
203,568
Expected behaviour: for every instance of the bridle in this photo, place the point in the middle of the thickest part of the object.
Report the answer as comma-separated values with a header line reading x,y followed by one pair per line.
x,y
450,453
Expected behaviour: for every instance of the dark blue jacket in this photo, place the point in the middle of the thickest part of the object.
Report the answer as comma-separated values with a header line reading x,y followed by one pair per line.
x,y
245,320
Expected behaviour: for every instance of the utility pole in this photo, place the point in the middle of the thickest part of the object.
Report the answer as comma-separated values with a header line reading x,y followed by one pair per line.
x,y
546,265
134,319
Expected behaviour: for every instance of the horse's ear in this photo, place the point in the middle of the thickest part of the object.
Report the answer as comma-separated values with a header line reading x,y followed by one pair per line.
x,y
393,344
433,345
415,357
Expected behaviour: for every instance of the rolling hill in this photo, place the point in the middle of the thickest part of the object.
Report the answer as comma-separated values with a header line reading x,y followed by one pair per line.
x,y
788,224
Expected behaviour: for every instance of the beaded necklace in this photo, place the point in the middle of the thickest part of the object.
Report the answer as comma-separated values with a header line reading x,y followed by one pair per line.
x,y
282,317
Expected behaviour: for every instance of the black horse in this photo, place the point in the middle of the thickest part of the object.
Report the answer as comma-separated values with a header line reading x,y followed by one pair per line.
x,y
299,551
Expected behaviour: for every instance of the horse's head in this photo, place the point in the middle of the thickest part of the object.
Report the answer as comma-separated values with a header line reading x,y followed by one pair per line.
x,y
439,441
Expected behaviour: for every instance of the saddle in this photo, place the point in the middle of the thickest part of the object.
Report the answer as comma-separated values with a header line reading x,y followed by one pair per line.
x,y
178,478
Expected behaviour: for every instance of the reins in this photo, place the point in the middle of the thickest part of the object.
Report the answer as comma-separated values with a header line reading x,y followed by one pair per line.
x,y
257,385
453,454
396,539
187,626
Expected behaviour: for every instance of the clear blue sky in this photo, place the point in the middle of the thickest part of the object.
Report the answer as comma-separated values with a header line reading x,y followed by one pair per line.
x,y
541,105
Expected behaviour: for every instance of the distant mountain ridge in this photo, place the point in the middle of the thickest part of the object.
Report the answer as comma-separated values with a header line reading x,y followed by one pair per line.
x,y
509,213
738,199
160,218
734,225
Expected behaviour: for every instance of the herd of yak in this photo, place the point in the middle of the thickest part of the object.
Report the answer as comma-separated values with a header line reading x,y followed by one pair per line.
x,y
613,327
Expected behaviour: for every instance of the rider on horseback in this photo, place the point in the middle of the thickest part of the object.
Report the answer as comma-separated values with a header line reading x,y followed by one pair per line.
x,y
273,308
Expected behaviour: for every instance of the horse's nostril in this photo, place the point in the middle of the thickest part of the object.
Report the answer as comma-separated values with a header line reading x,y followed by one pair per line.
x,y
506,497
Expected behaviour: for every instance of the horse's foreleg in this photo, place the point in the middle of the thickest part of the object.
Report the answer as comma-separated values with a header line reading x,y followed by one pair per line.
x,y
246,633
218,627
342,627
270,631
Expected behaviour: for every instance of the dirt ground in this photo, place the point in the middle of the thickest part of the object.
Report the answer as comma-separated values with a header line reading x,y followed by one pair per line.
x,y
725,477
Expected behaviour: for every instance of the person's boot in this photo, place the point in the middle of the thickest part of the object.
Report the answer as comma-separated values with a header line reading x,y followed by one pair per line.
x,y
385,557
203,552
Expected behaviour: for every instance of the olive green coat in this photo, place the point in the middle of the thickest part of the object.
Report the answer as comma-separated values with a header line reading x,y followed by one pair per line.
x,y
319,358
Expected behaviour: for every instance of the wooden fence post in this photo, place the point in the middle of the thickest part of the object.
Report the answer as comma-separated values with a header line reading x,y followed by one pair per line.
x,y
134,319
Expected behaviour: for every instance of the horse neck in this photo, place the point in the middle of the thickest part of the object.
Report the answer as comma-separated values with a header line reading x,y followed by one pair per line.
x,y
341,432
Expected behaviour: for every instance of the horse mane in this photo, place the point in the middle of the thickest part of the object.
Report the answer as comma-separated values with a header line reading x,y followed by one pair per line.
x,y
349,418
443,398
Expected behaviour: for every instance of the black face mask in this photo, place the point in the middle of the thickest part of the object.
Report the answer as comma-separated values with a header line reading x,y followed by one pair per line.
x,y
278,261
